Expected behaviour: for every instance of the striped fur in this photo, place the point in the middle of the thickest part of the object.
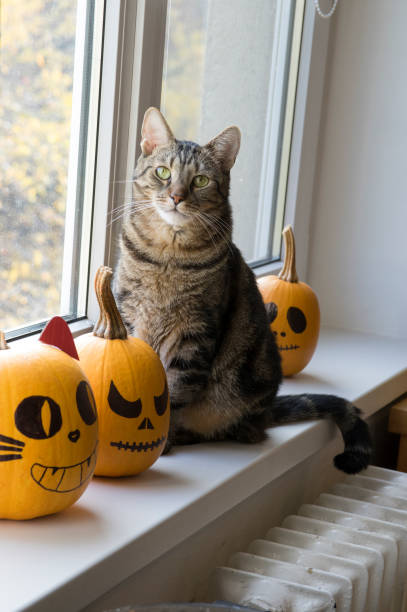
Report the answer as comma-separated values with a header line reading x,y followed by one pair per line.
x,y
183,287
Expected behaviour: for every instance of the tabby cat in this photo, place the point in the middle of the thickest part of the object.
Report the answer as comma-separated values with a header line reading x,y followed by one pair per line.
x,y
183,287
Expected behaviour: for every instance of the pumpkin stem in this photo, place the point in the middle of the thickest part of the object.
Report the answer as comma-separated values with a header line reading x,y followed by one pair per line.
x,y
288,272
3,343
110,324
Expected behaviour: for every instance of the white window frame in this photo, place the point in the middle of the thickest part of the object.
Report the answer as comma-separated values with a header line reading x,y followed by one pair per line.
x,y
82,163
270,205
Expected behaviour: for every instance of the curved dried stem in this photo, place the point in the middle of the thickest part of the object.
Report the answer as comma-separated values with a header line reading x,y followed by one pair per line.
x,y
288,272
110,324
3,343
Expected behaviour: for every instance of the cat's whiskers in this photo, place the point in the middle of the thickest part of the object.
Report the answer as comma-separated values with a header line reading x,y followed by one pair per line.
x,y
220,227
218,230
223,228
130,209
197,218
220,223
134,208
128,202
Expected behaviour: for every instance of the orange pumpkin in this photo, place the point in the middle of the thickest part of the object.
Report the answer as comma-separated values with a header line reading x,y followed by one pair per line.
x,y
48,426
130,387
293,311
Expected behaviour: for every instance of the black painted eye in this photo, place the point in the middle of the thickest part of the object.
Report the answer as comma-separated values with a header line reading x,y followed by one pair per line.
x,y
272,310
38,417
296,319
86,403
121,406
161,401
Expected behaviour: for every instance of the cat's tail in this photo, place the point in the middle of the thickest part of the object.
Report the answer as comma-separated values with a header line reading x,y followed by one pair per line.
x,y
355,432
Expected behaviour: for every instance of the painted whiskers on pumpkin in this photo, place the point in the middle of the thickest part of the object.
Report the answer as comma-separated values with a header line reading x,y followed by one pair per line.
x,y
12,448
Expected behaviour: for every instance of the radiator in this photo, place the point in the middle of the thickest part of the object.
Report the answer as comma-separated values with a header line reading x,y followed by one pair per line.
x,y
346,552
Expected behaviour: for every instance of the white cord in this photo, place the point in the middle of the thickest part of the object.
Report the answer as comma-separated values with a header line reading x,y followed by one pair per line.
x,y
325,15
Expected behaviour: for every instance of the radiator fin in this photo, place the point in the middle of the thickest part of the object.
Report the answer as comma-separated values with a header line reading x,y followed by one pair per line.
x,y
346,552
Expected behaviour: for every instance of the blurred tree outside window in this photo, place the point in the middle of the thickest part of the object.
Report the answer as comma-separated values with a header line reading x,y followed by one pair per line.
x,y
37,45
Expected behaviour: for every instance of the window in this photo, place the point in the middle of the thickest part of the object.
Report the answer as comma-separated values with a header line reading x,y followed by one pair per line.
x,y
50,63
76,79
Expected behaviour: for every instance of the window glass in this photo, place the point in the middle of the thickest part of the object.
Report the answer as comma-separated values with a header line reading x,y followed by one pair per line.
x,y
45,55
227,63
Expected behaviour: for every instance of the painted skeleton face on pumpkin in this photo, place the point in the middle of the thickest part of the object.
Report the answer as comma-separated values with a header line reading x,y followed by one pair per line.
x,y
143,422
48,432
295,324
293,311
288,327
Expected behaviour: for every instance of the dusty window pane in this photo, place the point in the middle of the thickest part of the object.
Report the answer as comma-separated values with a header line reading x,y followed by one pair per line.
x,y
37,55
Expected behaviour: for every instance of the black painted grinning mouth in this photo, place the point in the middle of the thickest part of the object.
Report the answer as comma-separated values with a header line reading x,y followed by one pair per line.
x,y
291,347
140,446
64,479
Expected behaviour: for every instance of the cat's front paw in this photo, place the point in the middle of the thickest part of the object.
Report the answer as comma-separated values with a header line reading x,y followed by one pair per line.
x,y
248,433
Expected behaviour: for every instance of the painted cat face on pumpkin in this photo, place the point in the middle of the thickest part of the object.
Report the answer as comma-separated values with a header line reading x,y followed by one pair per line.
x,y
48,431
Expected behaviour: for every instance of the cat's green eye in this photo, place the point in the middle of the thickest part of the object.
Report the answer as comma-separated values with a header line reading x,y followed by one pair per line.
x,y
163,173
200,180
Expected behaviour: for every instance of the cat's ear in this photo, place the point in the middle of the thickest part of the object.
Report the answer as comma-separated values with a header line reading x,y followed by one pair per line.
x,y
225,147
155,131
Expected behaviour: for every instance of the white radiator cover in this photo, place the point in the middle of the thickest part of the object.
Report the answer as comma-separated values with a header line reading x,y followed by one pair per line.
x,y
346,552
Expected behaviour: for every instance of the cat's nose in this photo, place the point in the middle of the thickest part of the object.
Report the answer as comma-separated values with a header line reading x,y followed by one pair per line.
x,y
177,197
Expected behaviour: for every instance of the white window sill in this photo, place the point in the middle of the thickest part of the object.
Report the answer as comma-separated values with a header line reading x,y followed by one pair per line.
x,y
66,561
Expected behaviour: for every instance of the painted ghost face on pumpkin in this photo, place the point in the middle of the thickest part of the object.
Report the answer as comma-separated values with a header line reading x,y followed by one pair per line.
x,y
48,432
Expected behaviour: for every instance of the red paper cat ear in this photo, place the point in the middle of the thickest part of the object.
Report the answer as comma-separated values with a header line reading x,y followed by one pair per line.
x,y
57,333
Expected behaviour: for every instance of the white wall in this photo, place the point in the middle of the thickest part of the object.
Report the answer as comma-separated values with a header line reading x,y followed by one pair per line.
x,y
358,233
